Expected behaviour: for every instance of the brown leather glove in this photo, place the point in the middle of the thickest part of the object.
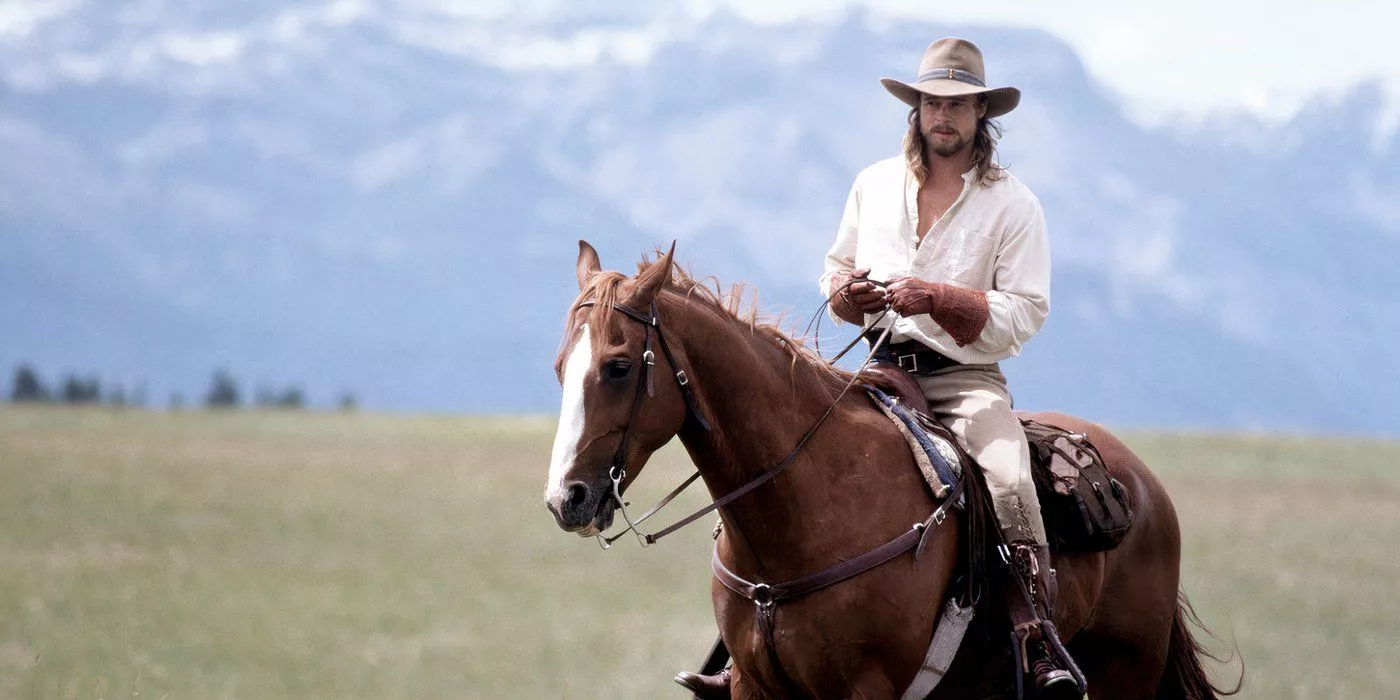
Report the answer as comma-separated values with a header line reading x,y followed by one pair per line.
x,y
961,312
860,298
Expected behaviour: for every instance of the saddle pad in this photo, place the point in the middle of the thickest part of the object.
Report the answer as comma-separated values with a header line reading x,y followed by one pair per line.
x,y
937,457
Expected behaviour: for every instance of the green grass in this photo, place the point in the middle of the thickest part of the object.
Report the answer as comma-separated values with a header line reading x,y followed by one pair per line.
x,y
286,555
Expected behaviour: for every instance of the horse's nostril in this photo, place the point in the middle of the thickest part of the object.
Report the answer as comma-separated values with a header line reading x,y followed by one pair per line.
x,y
578,495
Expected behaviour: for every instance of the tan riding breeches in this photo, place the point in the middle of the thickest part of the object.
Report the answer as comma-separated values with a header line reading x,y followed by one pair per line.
x,y
974,402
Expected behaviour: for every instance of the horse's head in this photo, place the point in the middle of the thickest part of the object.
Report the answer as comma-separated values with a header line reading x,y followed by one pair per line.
x,y
614,415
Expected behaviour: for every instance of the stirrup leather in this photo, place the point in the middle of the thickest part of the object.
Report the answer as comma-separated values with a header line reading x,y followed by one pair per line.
x,y
1031,605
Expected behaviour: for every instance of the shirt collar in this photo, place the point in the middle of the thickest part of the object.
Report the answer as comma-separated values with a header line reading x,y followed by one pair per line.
x,y
967,176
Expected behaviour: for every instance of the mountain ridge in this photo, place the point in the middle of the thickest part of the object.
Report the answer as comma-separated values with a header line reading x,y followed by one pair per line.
x,y
348,209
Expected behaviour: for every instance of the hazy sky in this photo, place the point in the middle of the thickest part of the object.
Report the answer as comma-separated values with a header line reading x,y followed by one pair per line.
x,y
1184,56
1166,58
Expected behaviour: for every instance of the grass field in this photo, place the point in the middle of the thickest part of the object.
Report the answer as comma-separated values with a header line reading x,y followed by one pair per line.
x,y
288,555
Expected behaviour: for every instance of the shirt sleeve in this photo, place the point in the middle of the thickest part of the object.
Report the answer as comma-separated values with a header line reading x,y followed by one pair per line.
x,y
841,257
1019,299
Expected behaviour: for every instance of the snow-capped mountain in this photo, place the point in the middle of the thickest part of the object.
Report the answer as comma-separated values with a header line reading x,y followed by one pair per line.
x,y
384,198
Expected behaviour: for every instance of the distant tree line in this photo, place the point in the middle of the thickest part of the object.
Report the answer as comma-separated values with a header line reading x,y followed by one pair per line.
x,y
223,393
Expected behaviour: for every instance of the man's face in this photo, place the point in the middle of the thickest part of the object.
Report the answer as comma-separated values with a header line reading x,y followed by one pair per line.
x,y
949,123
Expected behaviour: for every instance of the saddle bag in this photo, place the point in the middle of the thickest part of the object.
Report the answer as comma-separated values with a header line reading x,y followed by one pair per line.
x,y
1084,507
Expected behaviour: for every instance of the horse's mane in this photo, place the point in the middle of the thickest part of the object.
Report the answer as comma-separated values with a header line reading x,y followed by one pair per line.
x,y
738,304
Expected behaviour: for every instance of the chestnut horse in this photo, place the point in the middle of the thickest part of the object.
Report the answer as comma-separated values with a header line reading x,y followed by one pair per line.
x,y
851,487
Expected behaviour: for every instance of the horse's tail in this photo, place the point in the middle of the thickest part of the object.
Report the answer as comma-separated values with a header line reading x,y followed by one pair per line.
x,y
1185,677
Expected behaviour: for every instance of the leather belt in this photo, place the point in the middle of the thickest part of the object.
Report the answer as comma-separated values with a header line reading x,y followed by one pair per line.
x,y
914,357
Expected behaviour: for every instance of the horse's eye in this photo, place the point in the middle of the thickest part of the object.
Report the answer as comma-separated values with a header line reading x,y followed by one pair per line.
x,y
616,370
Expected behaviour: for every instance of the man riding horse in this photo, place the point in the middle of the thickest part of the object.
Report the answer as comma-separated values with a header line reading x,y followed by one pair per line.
x,y
956,247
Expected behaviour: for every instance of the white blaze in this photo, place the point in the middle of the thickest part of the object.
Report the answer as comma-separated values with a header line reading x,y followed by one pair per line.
x,y
566,440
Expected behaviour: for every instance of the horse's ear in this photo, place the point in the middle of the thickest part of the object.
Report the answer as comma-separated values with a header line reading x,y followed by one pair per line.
x,y
587,265
651,280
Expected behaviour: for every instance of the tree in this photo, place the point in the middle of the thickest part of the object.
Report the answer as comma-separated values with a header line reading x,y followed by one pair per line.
x,y
78,390
347,402
223,391
28,387
116,396
291,398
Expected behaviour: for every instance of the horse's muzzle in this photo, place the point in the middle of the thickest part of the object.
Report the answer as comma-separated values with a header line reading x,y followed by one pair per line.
x,y
583,507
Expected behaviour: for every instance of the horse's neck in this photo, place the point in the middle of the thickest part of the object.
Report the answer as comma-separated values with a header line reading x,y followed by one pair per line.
x,y
756,407
759,406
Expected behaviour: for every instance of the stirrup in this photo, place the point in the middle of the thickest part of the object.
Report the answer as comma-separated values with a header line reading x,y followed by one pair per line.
x,y
1040,658
1053,682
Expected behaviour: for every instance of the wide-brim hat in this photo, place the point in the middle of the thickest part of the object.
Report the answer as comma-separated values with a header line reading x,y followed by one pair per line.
x,y
952,68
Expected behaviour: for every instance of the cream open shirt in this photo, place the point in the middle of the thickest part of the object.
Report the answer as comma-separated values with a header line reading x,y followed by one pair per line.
x,y
992,238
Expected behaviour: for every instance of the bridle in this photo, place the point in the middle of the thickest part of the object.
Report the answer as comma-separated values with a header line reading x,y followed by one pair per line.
x,y
651,324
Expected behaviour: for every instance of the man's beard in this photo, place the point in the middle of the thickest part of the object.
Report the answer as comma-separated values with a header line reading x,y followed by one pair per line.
x,y
945,148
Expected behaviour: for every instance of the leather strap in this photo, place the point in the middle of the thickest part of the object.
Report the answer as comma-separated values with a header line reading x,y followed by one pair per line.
x,y
620,456
683,381
915,358
952,625
766,597
763,478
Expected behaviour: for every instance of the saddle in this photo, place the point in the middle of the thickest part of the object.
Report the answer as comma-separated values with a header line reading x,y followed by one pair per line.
x,y
1084,508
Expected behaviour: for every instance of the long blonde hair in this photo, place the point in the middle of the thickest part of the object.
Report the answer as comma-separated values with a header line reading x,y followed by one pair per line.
x,y
984,150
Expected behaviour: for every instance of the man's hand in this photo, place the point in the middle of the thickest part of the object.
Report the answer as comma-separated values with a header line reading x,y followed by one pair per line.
x,y
862,297
963,313
910,297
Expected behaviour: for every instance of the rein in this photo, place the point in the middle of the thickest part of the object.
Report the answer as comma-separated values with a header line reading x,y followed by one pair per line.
x,y
618,472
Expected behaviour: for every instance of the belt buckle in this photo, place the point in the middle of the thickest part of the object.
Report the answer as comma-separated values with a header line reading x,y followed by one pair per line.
x,y
913,362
